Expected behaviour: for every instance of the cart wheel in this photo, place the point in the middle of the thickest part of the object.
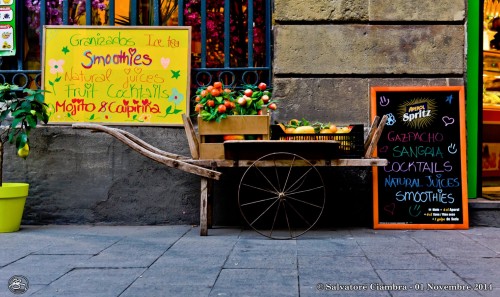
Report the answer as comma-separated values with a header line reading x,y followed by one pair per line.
x,y
281,195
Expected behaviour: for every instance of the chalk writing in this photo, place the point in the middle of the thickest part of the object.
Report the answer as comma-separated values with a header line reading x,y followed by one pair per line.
x,y
138,77
99,40
442,182
129,58
416,151
415,136
74,106
82,76
117,75
425,196
153,40
155,91
423,180
419,166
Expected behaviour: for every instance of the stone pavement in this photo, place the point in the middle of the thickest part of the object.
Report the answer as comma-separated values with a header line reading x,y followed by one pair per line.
x,y
132,261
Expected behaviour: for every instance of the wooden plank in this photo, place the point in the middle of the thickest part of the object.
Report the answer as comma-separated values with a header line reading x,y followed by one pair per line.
x,y
285,163
210,203
203,207
145,151
371,132
255,125
192,138
376,137
255,149
211,151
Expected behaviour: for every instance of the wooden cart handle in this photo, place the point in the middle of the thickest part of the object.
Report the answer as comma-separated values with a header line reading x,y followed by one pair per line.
x,y
376,136
165,158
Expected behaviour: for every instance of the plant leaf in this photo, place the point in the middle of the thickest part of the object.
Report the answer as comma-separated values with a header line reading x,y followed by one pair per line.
x,y
4,114
26,105
18,112
21,140
15,122
39,98
31,121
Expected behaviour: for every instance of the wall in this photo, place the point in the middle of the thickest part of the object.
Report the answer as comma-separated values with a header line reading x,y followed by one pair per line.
x,y
326,56
328,53
78,176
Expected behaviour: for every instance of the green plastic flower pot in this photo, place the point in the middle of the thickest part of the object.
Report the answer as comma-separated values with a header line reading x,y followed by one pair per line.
x,y
12,199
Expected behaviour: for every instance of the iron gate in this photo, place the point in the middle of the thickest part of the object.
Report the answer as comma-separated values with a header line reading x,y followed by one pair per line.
x,y
232,40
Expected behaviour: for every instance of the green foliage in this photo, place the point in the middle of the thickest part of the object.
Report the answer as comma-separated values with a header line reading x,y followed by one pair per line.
x,y
22,110
146,13
236,103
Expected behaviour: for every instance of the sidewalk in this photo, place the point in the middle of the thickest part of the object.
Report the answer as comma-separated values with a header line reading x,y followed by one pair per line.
x,y
131,261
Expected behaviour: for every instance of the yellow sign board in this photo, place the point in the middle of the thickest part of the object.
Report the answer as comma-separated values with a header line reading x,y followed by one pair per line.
x,y
117,75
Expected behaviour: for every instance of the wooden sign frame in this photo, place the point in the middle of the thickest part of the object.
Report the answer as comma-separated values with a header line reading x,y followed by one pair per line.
x,y
117,75
380,99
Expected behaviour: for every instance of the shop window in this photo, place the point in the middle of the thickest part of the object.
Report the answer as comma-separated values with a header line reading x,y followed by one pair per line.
x,y
490,146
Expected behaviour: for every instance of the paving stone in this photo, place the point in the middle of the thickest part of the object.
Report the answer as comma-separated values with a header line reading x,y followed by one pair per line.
x,y
178,262
181,259
262,259
336,276
326,233
392,246
256,282
418,282
487,238
446,243
146,288
127,253
336,269
476,270
182,275
92,282
141,231
329,247
405,261
333,289
32,290
79,244
41,269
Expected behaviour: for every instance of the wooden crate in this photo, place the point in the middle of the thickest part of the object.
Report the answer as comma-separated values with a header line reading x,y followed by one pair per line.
x,y
211,142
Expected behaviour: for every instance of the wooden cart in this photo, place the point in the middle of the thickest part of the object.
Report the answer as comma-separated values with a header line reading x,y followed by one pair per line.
x,y
281,194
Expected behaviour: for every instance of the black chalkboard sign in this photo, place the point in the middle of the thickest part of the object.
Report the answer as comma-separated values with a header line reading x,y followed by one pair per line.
x,y
424,185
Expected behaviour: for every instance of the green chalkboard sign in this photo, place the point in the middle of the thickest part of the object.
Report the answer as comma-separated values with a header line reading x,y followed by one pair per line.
x,y
424,185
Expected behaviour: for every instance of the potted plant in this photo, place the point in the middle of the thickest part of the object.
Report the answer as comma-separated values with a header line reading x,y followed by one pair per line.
x,y
20,111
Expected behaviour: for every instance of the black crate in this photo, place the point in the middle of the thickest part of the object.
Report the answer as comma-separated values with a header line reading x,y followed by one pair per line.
x,y
351,144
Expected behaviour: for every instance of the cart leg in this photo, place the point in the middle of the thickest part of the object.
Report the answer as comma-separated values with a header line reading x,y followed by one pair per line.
x,y
204,206
210,202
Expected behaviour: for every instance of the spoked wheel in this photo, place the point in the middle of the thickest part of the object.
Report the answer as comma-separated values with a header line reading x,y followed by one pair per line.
x,y
281,195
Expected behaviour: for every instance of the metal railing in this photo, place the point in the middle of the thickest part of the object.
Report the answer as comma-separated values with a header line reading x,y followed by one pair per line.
x,y
13,69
